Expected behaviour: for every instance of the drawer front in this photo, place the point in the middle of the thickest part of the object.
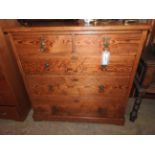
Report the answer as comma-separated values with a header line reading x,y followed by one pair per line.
x,y
77,85
119,44
8,112
88,106
119,65
40,44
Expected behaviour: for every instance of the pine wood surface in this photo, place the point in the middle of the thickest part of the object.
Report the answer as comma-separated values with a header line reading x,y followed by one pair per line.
x,y
61,69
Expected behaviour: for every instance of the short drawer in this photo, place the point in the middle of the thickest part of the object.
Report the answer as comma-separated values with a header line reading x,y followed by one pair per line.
x,y
8,112
83,106
119,65
42,44
77,85
119,44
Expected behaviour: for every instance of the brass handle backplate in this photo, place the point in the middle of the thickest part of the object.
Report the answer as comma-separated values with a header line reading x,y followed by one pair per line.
x,y
42,44
104,66
50,88
46,66
101,88
106,42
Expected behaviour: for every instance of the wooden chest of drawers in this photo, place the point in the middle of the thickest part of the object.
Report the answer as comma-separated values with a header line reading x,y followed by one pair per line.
x,y
61,68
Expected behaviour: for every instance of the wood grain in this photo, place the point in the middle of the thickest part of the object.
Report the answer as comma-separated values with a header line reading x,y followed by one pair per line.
x,y
54,45
108,120
88,106
119,44
77,65
84,44
66,81
77,85
135,28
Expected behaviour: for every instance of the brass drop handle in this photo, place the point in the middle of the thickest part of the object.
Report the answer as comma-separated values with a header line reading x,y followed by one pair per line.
x,y
74,58
46,66
42,44
105,53
101,88
104,67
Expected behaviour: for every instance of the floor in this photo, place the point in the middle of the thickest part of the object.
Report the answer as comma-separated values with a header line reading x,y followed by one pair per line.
x,y
145,124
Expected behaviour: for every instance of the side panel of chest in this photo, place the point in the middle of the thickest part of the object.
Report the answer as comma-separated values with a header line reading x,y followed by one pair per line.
x,y
6,95
14,102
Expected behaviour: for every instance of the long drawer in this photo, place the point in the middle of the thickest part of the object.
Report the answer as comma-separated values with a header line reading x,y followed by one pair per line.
x,y
119,65
77,85
85,106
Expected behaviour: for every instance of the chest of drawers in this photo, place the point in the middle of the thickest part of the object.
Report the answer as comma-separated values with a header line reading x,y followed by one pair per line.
x,y
61,68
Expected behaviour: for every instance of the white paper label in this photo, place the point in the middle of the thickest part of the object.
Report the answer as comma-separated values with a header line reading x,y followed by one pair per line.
x,y
105,57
